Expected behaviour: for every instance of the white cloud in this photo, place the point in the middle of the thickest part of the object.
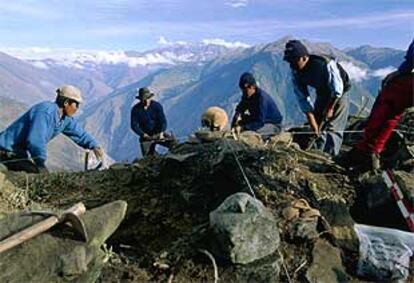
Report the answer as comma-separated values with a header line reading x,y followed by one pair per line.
x,y
208,41
237,3
222,42
358,74
355,73
44,57
163,41
383,72
29,52
40,65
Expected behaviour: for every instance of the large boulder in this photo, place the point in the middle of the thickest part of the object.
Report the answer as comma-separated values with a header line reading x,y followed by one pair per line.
x,y
244,229
58,255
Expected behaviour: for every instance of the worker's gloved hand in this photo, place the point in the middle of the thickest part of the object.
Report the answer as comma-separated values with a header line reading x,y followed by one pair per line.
x,y
99,153
161,136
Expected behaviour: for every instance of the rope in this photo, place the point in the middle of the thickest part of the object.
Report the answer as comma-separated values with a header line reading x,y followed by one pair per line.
x,y
213,261
241,168
183,138
284,266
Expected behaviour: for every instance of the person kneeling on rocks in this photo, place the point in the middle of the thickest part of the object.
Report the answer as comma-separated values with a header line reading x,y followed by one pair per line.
x,y
149,122
256,111
23,145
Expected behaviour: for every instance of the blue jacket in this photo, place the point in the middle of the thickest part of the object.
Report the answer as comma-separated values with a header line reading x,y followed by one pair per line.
x,y
324,77
31,133
407,65
262,109
151,121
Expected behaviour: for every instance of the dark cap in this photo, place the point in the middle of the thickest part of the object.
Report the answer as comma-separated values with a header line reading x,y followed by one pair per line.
x,y
294,49
246,79
144,93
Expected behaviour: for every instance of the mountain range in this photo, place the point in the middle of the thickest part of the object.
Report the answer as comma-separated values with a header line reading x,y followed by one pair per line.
x,y
186,79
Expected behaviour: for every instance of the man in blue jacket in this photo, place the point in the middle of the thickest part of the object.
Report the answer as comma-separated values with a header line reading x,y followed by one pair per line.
x,y
328,115
256,111
149,122
23,145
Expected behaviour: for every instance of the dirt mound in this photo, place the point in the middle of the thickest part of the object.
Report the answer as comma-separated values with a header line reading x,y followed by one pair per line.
x,y
166,229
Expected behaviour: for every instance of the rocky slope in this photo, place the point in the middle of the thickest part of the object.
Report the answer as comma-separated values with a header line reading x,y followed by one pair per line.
x,y
167,229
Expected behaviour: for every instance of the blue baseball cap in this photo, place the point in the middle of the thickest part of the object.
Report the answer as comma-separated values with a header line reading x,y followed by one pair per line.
x,y
294,49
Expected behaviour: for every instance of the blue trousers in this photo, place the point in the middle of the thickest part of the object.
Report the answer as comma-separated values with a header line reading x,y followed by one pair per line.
x,y
330,140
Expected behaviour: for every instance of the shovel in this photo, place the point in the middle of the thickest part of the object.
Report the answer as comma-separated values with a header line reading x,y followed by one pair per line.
x,y
322,127
70,215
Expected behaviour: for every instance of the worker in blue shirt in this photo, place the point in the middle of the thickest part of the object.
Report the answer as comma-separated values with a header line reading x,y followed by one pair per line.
x,y
256,111
149,122
23,145
328,115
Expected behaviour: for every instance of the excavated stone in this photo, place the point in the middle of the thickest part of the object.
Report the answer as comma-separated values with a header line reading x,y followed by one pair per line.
x,y
326,264
244,229
303,230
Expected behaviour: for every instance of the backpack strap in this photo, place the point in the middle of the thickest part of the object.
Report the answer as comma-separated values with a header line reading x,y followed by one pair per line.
x,y
344,74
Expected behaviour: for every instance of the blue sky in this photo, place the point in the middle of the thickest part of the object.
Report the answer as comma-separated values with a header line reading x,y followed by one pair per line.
x,y
138,25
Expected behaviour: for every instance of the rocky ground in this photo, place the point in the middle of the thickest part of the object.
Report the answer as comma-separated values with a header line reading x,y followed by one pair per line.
x,y
167,235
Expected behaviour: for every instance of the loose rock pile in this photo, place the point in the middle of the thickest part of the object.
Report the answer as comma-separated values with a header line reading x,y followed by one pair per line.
x,y
198,198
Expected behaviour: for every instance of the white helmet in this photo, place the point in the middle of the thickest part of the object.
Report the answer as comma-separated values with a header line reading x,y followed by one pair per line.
x,y
71,92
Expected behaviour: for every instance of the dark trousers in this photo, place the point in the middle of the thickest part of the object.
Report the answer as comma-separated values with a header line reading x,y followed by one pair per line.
x,y
388,108
148,145
266,131
15,162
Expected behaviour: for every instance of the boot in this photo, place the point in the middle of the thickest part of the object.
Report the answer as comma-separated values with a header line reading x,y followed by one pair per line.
x,y
348,159
367,162
360,161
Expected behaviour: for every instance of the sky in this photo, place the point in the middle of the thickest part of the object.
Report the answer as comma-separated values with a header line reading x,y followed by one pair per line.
x,y
143,25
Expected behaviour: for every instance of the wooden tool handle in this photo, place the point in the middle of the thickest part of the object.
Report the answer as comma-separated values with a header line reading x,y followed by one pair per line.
x,y
77,209
86,160
38,228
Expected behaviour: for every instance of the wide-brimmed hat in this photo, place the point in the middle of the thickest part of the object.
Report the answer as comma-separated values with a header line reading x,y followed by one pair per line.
x,y
144,93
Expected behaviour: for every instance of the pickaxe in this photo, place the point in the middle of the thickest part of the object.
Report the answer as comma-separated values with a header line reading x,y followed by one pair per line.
x,y
70,215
